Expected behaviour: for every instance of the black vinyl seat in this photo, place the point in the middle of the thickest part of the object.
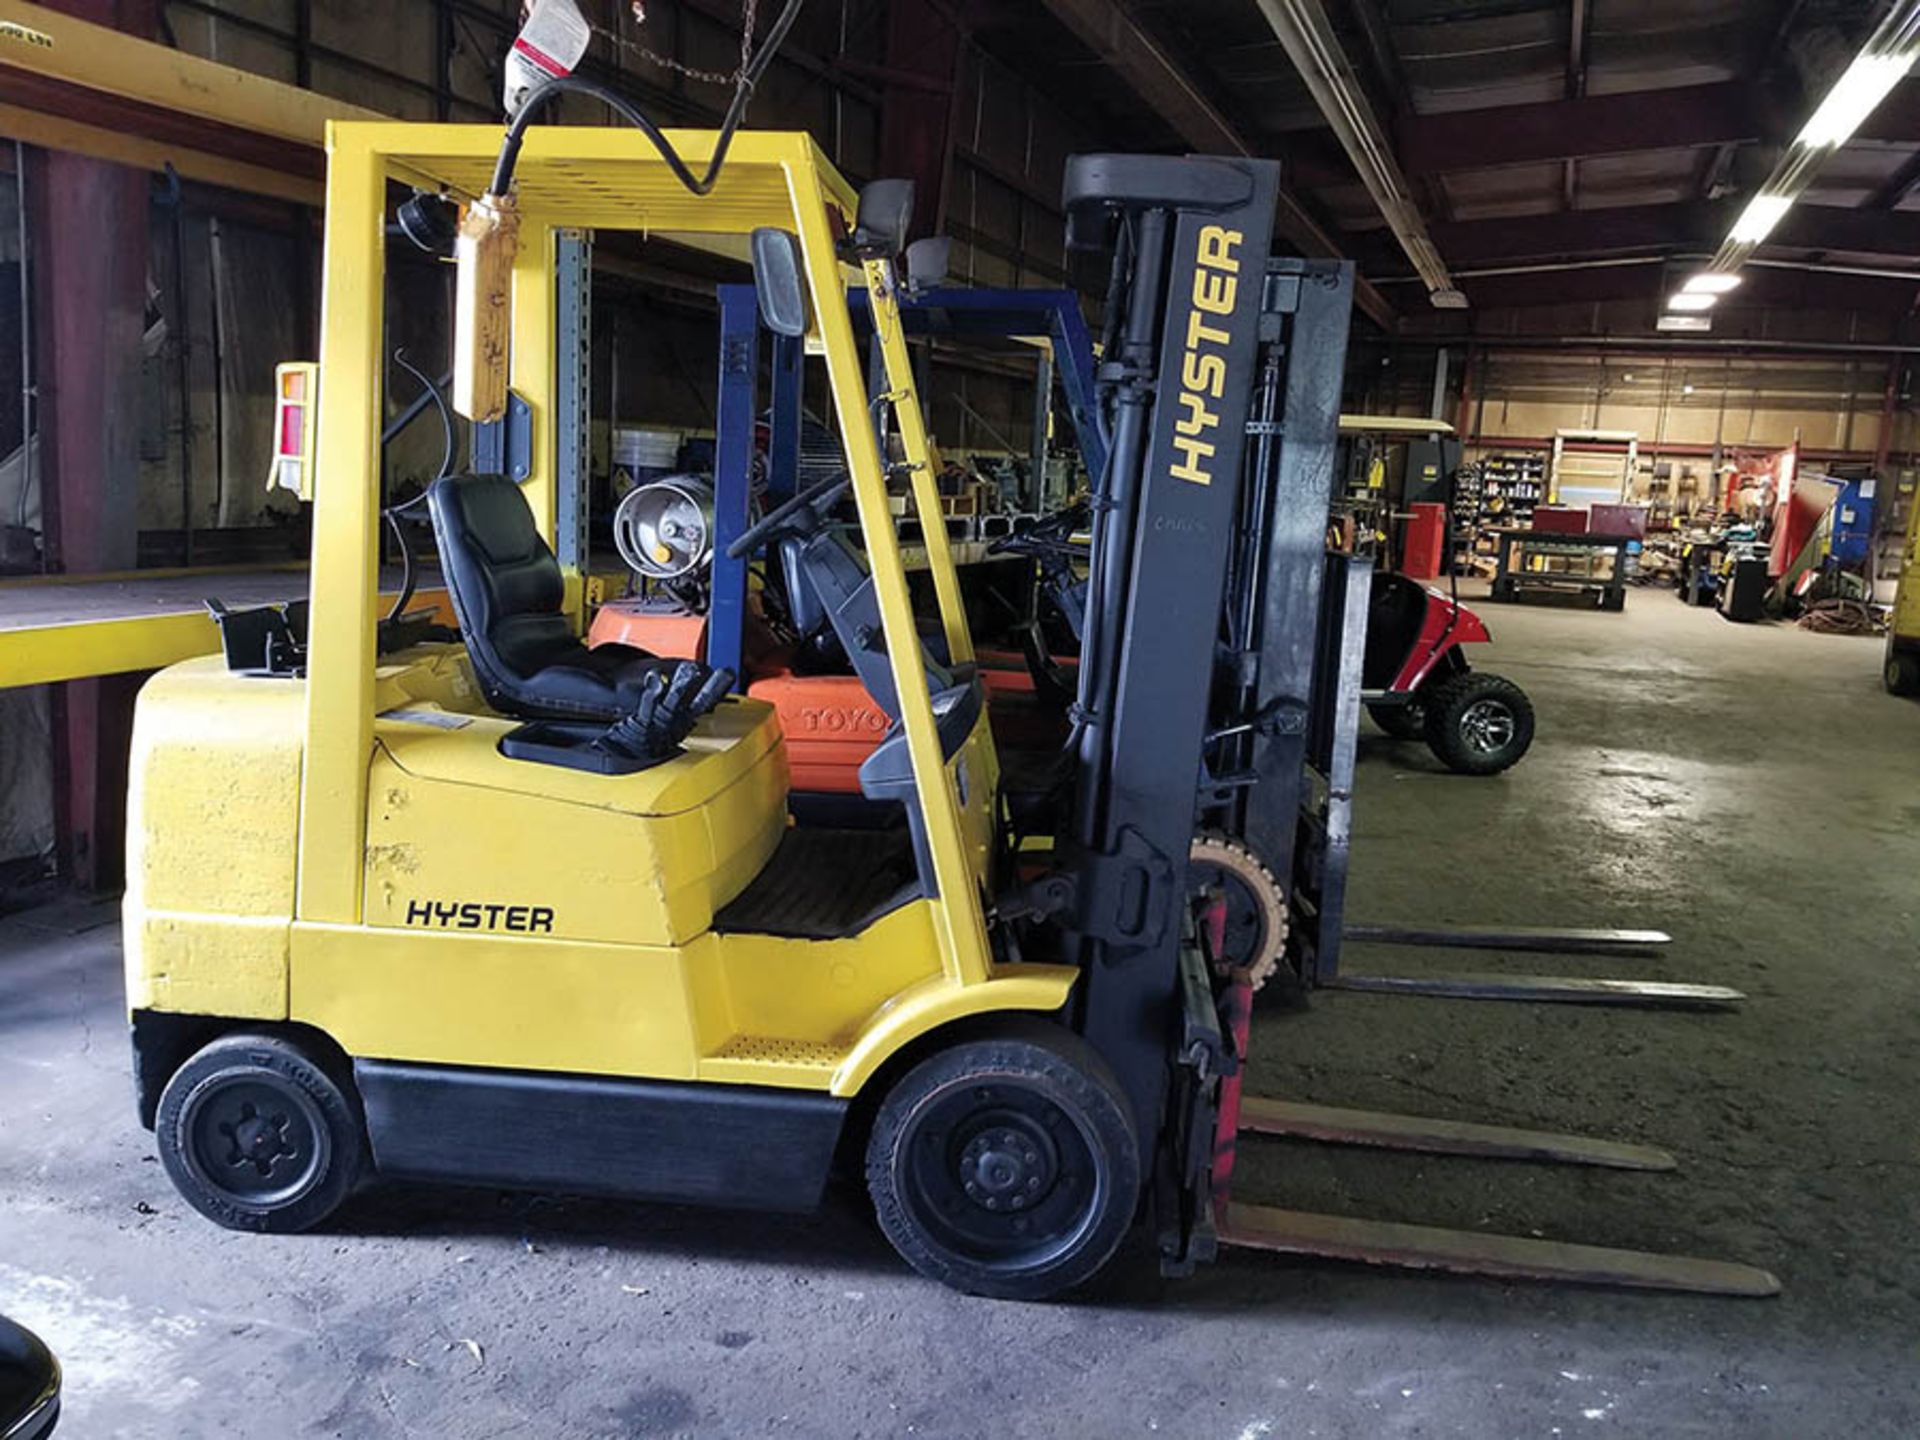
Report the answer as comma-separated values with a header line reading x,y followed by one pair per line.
x,y
509,596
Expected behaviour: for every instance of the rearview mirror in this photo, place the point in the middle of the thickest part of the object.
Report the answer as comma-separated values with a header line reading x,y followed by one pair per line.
x,y
777,283
927,261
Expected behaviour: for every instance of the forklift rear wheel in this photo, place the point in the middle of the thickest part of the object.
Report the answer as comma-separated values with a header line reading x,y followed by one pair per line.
x,y
1406,721
1478,724
256,1135
1006,1166
1903,673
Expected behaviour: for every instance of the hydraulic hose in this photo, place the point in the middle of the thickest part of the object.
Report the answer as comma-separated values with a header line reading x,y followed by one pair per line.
x,y
392,513
560,85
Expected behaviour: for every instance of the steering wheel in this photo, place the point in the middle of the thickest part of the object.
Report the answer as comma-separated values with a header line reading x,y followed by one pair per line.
x,y
786,516
1051,536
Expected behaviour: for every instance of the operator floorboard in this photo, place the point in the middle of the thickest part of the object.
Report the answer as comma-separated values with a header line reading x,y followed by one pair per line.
x,y
824,883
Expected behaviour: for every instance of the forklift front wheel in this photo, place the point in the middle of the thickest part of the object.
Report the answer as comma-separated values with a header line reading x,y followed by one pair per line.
x,y
1006,1166
256,1135
1903,673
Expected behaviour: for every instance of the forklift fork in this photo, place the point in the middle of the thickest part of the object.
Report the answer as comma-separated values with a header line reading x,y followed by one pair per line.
x,y
1426,1247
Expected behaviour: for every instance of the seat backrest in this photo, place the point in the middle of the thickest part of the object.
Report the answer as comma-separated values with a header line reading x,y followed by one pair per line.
x,y
506,585
827,577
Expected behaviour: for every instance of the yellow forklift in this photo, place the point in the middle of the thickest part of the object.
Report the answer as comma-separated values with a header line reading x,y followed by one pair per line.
x,y
489,907
1902,666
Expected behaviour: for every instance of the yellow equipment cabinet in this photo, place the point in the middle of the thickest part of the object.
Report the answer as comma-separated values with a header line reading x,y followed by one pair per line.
x,y
361,936
1902,671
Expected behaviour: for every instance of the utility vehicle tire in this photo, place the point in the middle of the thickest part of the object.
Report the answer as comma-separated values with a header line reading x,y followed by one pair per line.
x,y
257,1135
1478,724
1402,722
1903,673
1007,1166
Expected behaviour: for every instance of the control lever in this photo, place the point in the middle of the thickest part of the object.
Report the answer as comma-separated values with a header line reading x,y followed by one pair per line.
x,y
666,713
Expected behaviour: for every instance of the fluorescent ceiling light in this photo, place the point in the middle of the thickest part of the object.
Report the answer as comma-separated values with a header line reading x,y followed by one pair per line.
x,y
1853,97
1710,282
1695,323
1686,301
1756,222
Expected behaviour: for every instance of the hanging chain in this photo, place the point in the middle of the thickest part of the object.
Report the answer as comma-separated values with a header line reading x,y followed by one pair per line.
x,y
667,62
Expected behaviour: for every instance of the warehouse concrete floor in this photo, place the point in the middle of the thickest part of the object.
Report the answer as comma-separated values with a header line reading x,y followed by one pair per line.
x,y
1750,789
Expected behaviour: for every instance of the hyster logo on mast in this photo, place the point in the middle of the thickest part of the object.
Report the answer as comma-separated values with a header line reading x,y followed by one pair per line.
x,y
1203,368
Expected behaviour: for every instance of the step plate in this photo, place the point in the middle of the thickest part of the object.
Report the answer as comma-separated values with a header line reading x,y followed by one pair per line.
x,y
1557,989
1468,1252
1331,1123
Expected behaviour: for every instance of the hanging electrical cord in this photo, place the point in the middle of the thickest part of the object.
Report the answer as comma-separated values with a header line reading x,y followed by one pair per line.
x,y
559,85
393,513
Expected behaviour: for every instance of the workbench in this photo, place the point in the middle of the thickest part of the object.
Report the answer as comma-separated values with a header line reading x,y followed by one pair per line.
x,y
1514,579
62,627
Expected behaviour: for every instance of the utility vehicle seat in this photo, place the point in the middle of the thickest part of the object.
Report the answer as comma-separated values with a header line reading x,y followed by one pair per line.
x,y
508,595
1396,609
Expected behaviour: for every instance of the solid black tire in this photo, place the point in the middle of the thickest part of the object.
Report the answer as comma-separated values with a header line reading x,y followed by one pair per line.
x,y
1447,707
321,1115
1402,722
1041,1060
1902,673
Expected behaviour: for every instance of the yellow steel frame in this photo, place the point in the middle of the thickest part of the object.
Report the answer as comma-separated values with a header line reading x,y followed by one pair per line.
x,y
607,179
1906,604
45,654
99,57
922,459
79,649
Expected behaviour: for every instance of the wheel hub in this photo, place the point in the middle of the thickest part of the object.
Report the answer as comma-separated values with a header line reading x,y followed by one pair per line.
x,y
258,1140
255,1141
1487,726
1007,1167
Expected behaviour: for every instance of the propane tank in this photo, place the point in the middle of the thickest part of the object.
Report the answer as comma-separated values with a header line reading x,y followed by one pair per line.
x,y
664,529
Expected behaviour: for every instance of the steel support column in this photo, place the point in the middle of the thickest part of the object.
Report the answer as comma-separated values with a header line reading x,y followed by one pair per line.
x,y
87,230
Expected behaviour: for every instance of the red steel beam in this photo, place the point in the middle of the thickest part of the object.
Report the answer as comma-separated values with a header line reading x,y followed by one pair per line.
x,y
87,222
1642,229
1729,112
1765,286
50,96
1574,129
1684,449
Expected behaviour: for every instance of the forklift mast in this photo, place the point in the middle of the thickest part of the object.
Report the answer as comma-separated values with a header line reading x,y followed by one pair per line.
x,y
1186,304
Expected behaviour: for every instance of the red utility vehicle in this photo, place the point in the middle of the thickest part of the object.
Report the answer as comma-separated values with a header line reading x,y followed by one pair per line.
x,y
1418,685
